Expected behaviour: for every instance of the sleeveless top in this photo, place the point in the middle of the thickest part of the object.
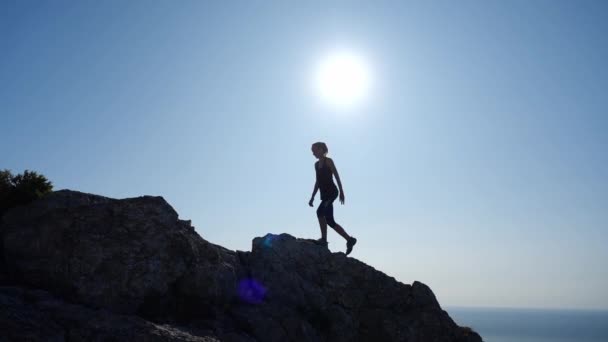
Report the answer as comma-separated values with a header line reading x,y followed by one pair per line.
x,y
325,181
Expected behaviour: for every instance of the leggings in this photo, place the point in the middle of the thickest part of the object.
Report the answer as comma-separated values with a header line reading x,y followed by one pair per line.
x,y
326,209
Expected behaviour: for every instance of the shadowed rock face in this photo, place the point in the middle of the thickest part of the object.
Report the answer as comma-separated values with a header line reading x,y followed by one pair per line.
x,y
36,315
132,264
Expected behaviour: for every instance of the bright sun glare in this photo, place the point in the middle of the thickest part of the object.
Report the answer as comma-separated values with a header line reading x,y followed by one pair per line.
x,y
343,79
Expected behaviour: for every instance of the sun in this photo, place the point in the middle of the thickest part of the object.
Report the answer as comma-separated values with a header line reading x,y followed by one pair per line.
x,y
343,79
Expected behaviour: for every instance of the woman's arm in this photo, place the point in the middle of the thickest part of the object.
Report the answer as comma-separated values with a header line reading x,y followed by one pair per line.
x,y
314,192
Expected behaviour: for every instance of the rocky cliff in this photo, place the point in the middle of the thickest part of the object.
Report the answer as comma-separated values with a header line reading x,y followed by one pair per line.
x,y
82,267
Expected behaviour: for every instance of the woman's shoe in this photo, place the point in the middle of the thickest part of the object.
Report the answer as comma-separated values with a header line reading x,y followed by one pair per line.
x,y
350,244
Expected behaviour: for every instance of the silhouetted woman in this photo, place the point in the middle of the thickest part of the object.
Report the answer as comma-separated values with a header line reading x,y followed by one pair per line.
x,y
325,170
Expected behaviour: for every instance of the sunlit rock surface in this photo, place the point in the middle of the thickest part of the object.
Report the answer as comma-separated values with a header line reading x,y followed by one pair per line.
x,y
83,267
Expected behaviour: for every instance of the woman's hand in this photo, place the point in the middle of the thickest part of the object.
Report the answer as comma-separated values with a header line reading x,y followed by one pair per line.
x,y
342,197
310,202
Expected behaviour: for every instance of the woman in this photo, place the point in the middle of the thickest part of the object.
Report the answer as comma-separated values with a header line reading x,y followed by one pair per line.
x,y
325,170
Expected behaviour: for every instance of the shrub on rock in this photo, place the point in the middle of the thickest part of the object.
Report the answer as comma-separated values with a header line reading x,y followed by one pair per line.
x,y
21,189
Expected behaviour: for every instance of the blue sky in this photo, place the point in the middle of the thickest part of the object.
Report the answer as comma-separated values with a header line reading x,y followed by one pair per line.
x,y
477,165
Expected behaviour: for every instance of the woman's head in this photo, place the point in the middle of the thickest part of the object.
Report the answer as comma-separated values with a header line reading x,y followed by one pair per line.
x,y
319,149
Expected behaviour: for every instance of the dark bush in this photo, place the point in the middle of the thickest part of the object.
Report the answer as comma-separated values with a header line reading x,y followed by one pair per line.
x,y
21,189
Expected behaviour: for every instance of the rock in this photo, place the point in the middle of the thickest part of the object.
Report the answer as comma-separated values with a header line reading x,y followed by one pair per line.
x,y
124,255
336,298
135,259
35,315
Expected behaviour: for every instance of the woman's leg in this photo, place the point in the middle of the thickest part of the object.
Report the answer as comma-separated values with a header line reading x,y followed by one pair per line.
x,y
350,241
338,228
323,226
329,217
322,221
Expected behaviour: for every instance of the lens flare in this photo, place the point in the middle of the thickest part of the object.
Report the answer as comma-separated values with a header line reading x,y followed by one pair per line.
x,y
251,291
268,240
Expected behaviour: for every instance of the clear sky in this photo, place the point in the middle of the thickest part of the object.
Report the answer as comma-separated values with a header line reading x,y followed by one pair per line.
x,y
478,163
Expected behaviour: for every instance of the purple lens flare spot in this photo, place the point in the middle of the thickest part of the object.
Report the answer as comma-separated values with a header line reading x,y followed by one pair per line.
x,y
251,291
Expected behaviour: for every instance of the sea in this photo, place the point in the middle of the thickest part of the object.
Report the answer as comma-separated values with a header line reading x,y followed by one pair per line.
x,y
534,325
